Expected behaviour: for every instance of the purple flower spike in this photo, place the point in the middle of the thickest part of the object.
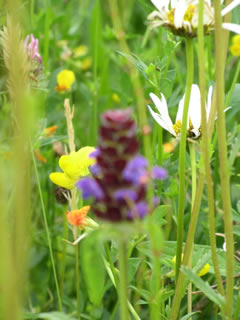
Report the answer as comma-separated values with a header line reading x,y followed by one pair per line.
x,y
123,194
90,188
139,211
159,173
135,169
94,154
32,48
95,170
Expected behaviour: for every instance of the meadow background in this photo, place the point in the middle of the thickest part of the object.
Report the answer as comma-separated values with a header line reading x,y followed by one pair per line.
x,y
117,61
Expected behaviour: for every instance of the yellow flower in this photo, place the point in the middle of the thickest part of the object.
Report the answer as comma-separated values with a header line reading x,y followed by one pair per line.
x,y
80,51
65,80
116,98
235,47
86,64
202,272
74,166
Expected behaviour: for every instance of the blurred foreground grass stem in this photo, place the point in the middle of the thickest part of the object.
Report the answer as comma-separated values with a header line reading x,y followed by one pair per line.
x,y
223,158
205,148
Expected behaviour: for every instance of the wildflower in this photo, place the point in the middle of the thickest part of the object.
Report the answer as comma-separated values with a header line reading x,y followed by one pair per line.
x,y
74,166
50,130
32,48
120,176
194,113
204,270
86,64
169,146
201,273
78,217
39,156
65,80
116,98
235,47
181,16
80,51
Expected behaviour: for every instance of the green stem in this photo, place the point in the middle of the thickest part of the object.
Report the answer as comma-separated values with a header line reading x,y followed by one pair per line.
x,y
123,285
46,35
94,122
116,282
229,95
75,234
205,149
194,186
237,307
188,248
64,254
182,154
223,158
47,231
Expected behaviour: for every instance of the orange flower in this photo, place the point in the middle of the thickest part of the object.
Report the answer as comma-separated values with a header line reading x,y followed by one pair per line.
x,y
39,156
50,131
77,217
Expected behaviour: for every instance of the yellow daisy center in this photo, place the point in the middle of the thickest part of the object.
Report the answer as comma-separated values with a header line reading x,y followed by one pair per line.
x,y
189,13
177,127
171,16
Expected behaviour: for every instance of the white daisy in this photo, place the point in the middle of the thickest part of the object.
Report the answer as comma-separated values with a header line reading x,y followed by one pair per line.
x,y
181,16
194,113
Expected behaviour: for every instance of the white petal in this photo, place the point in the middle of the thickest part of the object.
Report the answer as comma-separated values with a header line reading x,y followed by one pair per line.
x,y
209,101
196,132
179,13
162,107
161,122
160,4
195,107
230,7
232,27
180,109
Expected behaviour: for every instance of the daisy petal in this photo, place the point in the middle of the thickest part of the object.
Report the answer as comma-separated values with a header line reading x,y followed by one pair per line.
x,y
161,105
195,107
179,13
209,101
230,7
161,122
160,4
231,27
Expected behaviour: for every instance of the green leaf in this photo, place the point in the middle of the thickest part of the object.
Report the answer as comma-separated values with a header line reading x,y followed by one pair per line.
x,y
133,264
55,316
93,267
204,287
140,65
189,315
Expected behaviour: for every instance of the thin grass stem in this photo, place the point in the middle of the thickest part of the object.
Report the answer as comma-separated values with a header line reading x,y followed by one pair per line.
x,y
223,159
182,155
47,231
205,149
123,274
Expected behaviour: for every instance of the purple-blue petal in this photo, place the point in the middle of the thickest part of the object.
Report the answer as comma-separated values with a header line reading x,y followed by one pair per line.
x,y
159,173
95,169
94,154
135,169
90,188
140,209
123,194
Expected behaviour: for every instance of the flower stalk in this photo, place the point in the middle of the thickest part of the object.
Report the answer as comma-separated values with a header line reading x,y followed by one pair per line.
x,y
123,284
182,154
205,149
223,159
